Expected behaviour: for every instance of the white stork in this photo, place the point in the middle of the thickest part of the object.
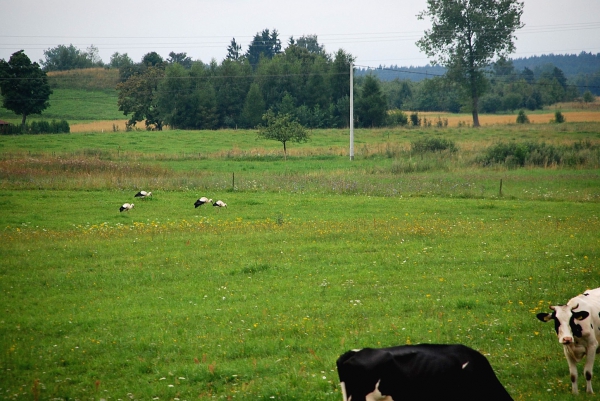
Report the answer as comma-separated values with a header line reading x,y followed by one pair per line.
x,y
220,203
143,194
202,201
126,207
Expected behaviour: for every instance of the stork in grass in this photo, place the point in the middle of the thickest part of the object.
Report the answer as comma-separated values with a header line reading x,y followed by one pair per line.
x,y
143,194
126,207
202,201
219,204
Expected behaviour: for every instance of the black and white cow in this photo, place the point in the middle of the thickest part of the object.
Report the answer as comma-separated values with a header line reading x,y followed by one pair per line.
x,y
577,326
418,372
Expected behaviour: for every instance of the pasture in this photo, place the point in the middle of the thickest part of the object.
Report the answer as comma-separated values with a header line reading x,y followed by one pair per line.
x,y
313,256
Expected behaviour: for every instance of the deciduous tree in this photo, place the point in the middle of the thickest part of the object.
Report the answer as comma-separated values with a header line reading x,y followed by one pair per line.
x,y
465,37
137,97
118,60
62,58
24,86
283,128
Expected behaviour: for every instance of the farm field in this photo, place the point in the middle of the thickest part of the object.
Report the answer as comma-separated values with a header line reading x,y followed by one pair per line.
x,y
313,256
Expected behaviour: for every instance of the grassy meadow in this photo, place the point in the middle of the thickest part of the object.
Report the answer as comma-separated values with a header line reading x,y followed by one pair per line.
x,y
313,256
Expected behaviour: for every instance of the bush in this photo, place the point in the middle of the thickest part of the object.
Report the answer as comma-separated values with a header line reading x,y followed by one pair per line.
x,y
415,120
522,118
539,154
37,127
433,145
558,118
588,97
396,118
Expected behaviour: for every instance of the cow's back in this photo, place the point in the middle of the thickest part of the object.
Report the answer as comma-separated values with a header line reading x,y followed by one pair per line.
x,y
424,372
589,301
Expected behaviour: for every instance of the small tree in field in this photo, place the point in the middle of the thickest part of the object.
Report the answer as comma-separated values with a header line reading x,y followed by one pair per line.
x,y
282,128
522,118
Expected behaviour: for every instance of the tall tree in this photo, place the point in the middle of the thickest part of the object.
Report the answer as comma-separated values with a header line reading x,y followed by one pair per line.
x,y
466,35
24,86
180,58
92,53
254,107
310,43
234,51
340,75
371,106
265,44
118,60
137,96
232,84
152,59
62,58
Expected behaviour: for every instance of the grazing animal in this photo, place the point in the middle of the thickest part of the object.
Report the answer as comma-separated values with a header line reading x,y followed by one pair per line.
x,y
418,372
143,194
202,201
126,207
577,326
220,203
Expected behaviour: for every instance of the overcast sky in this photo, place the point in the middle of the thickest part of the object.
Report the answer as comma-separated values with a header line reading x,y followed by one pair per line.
x,y
379,32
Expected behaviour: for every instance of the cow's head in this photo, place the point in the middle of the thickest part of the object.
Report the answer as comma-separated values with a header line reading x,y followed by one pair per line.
x,y
566,322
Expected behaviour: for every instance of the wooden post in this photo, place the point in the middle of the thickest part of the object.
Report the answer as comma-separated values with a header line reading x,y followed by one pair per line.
x,y
500,193
232,181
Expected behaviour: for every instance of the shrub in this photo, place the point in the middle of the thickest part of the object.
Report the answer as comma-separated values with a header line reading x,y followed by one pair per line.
x,y
539,154
441,123
433,145
558,118
415,121
588,97
522,118
396,118
37,127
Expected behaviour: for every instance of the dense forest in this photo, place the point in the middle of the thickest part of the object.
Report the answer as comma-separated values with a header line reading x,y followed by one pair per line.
x,y
572,66
311,85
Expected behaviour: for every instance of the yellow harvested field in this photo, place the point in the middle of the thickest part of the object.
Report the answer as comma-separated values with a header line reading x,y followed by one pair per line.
x,y
503,119
453,120
106,126
99,126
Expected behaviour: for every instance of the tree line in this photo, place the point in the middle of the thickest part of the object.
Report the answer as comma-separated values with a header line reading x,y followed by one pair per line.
x,y
301,80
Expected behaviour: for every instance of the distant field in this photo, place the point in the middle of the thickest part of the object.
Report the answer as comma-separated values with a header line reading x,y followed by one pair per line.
x,y
75,105
453,120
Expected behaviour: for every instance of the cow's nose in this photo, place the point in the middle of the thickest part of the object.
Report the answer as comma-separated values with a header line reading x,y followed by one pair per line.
x,y
567,340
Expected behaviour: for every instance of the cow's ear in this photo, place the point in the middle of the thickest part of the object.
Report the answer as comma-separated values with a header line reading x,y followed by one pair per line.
x,y
544,317
580,315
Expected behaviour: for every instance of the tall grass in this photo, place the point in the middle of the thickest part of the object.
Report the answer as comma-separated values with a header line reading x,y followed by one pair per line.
x,y
89,79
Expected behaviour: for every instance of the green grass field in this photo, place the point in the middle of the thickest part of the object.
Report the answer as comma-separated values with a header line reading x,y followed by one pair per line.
x,y
74,105
313,256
